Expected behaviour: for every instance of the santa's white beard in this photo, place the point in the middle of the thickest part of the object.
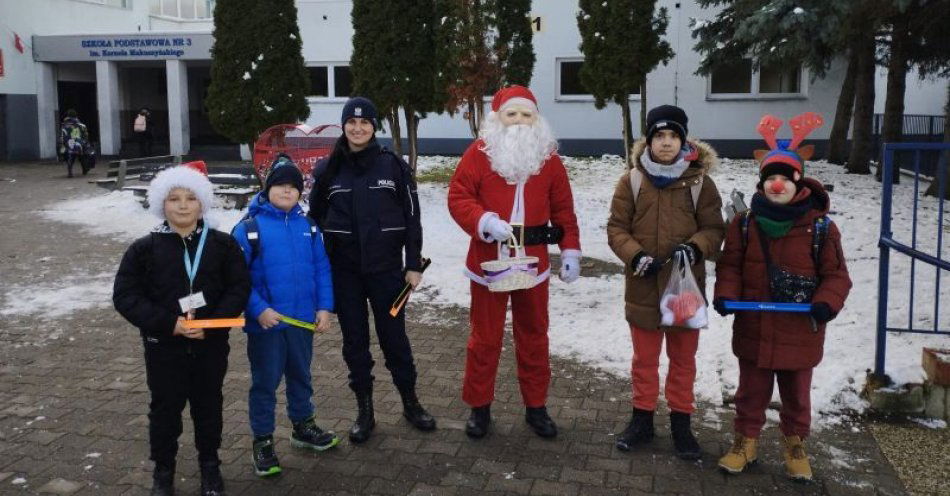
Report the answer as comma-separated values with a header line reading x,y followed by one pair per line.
x,y
517,152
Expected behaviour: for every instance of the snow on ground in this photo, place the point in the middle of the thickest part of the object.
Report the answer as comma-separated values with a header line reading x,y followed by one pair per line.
x,y
587,320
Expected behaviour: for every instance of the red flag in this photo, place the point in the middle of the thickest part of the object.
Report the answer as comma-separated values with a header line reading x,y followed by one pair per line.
x,y
18,43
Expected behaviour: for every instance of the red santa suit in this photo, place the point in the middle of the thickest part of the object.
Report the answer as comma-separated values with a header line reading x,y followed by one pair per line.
x,y
477,193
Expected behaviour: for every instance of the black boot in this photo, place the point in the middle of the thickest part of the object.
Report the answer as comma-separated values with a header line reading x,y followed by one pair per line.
x,y
307,435
415,413
365,420
683,441
540,421
477,425
211,482
163,479
638,431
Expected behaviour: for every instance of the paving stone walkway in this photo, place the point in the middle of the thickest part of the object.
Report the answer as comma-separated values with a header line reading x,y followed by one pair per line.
x,y
73,403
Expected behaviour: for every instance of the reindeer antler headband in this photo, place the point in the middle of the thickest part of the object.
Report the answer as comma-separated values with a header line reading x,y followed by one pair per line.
x,y
787,151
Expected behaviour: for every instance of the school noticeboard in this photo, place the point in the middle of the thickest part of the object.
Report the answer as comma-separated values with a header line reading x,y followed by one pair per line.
x,y
137,46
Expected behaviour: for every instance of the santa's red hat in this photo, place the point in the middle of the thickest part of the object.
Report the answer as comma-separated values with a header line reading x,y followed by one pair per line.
x,y
512,95
198,165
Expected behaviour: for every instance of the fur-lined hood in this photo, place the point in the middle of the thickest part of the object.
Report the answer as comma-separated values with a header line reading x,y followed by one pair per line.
x,y
707,161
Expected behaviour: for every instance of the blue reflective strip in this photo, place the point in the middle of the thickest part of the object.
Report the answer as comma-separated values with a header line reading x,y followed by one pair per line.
x,y
767,306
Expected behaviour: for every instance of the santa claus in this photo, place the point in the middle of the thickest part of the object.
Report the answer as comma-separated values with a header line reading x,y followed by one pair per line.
x,y
511,189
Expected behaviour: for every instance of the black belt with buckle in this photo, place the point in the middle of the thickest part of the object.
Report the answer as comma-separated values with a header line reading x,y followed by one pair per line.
x,y
538,235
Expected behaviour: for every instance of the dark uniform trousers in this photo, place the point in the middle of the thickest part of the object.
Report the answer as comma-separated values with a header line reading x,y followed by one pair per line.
x,y
176,374
351,290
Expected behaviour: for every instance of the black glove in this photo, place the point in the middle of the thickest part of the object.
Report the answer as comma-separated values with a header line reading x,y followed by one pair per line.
x,y
719,304
644,265
821,312
691,253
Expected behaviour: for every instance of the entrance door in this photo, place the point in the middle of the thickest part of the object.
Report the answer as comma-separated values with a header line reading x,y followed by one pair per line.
x,y
82,97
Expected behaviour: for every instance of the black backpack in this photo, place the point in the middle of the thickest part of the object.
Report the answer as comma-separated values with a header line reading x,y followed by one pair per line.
x,y
254,233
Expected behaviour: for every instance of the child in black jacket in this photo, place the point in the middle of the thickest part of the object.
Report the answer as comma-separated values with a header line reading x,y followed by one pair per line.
x,y
183,268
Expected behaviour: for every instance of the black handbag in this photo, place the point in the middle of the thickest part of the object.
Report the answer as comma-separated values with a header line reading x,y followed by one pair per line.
x,y
784,286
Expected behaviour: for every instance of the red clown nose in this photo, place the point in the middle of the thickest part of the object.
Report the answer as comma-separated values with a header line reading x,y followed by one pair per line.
x,y
778,187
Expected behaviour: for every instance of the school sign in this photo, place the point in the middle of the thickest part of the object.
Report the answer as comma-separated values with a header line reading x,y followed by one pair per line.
x,y
151,46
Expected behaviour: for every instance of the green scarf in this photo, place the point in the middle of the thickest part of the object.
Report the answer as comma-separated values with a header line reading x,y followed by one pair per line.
x,y
774,228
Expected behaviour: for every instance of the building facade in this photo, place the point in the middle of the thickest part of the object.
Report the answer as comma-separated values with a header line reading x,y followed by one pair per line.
x,y
110,58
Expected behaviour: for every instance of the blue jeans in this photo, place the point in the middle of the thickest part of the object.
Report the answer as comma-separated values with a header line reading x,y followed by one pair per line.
x,y
282,351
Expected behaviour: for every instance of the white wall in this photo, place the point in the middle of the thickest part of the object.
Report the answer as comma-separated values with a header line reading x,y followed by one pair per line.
x,y
922,97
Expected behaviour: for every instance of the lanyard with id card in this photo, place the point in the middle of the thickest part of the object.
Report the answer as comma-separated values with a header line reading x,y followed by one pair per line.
x,y
194,300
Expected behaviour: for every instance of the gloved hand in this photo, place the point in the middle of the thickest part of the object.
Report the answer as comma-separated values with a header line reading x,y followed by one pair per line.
x,y
719,304
691,253
645,266
570,268
821,312
497,229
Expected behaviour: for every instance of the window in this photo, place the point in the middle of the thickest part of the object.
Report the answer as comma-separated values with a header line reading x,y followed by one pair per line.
x,y
733,78
741,80
182,9
570,78
330,80
122,4
318,81
569,86
342,80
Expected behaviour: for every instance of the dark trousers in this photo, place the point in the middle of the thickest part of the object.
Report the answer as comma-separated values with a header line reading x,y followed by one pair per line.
x,y
277,352
145,143
755,393
351,290
177,374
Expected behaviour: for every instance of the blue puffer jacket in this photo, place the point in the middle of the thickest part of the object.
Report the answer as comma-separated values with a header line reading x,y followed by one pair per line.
x,y
291,272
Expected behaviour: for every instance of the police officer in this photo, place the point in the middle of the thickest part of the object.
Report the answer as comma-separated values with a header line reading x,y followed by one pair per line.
x,y
364,200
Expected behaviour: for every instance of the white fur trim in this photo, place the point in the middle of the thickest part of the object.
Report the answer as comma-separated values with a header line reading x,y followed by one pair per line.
x,y
179,177
524,102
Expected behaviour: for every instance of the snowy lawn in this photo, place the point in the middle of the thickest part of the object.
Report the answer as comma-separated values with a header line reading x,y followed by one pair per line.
x,y
587,320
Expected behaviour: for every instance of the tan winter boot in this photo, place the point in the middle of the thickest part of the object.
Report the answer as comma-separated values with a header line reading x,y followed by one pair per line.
x,y
741,454
796,460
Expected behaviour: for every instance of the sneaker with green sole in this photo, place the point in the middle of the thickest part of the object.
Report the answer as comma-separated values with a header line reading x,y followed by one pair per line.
x,y
264,457
307,435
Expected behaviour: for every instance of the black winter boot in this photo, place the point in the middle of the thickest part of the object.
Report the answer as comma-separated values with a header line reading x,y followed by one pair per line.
x,y
365,420
211,482
163,479
638,431
477,425
683,441
540,421
415,413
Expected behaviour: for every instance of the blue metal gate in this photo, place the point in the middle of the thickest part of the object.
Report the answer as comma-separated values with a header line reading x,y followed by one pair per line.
x,y
887,243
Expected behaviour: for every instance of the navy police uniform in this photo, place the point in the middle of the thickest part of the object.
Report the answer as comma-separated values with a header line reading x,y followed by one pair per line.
x,y
368,209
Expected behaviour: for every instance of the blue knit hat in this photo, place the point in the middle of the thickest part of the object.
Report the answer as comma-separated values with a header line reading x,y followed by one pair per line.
x,y
359,107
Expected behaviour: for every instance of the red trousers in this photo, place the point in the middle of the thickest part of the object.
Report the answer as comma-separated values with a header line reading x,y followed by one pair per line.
x,y
645,374
755,393
529,308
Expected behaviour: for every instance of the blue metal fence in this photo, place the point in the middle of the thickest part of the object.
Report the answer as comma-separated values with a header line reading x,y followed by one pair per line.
x,y
887,243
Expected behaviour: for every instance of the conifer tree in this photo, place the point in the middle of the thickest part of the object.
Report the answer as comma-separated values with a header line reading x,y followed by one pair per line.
x,y
257,80
621,42
479,72
513,44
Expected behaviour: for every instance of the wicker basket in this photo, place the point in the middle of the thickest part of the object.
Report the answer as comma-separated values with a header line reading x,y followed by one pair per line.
x,y
511,274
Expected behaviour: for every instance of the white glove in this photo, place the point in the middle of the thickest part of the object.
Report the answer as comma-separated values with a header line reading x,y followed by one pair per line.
x,y
570,269
497,229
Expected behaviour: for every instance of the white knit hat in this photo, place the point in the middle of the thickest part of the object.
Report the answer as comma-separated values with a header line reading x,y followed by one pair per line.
x,y
179,177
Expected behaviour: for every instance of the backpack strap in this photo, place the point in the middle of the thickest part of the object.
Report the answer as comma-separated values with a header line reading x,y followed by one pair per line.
x,y
253,235
636,180
818,235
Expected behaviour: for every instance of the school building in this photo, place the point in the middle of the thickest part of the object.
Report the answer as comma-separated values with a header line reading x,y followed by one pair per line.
x,y
109,58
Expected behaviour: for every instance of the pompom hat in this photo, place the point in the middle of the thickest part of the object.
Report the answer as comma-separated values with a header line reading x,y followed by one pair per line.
x,y
513,95
179,177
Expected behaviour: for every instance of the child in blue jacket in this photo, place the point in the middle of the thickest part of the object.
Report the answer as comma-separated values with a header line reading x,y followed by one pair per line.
x,y
290,277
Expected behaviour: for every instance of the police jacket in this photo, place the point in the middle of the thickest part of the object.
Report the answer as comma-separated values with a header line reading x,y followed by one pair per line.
x,y
368,209
152,277
289,272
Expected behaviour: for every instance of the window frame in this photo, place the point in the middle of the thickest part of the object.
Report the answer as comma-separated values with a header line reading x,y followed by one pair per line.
x,y
161,11
754,88
331,82
126,4
587,97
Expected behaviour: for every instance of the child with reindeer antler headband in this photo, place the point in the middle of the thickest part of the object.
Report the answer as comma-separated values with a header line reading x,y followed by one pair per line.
x,y
785,250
